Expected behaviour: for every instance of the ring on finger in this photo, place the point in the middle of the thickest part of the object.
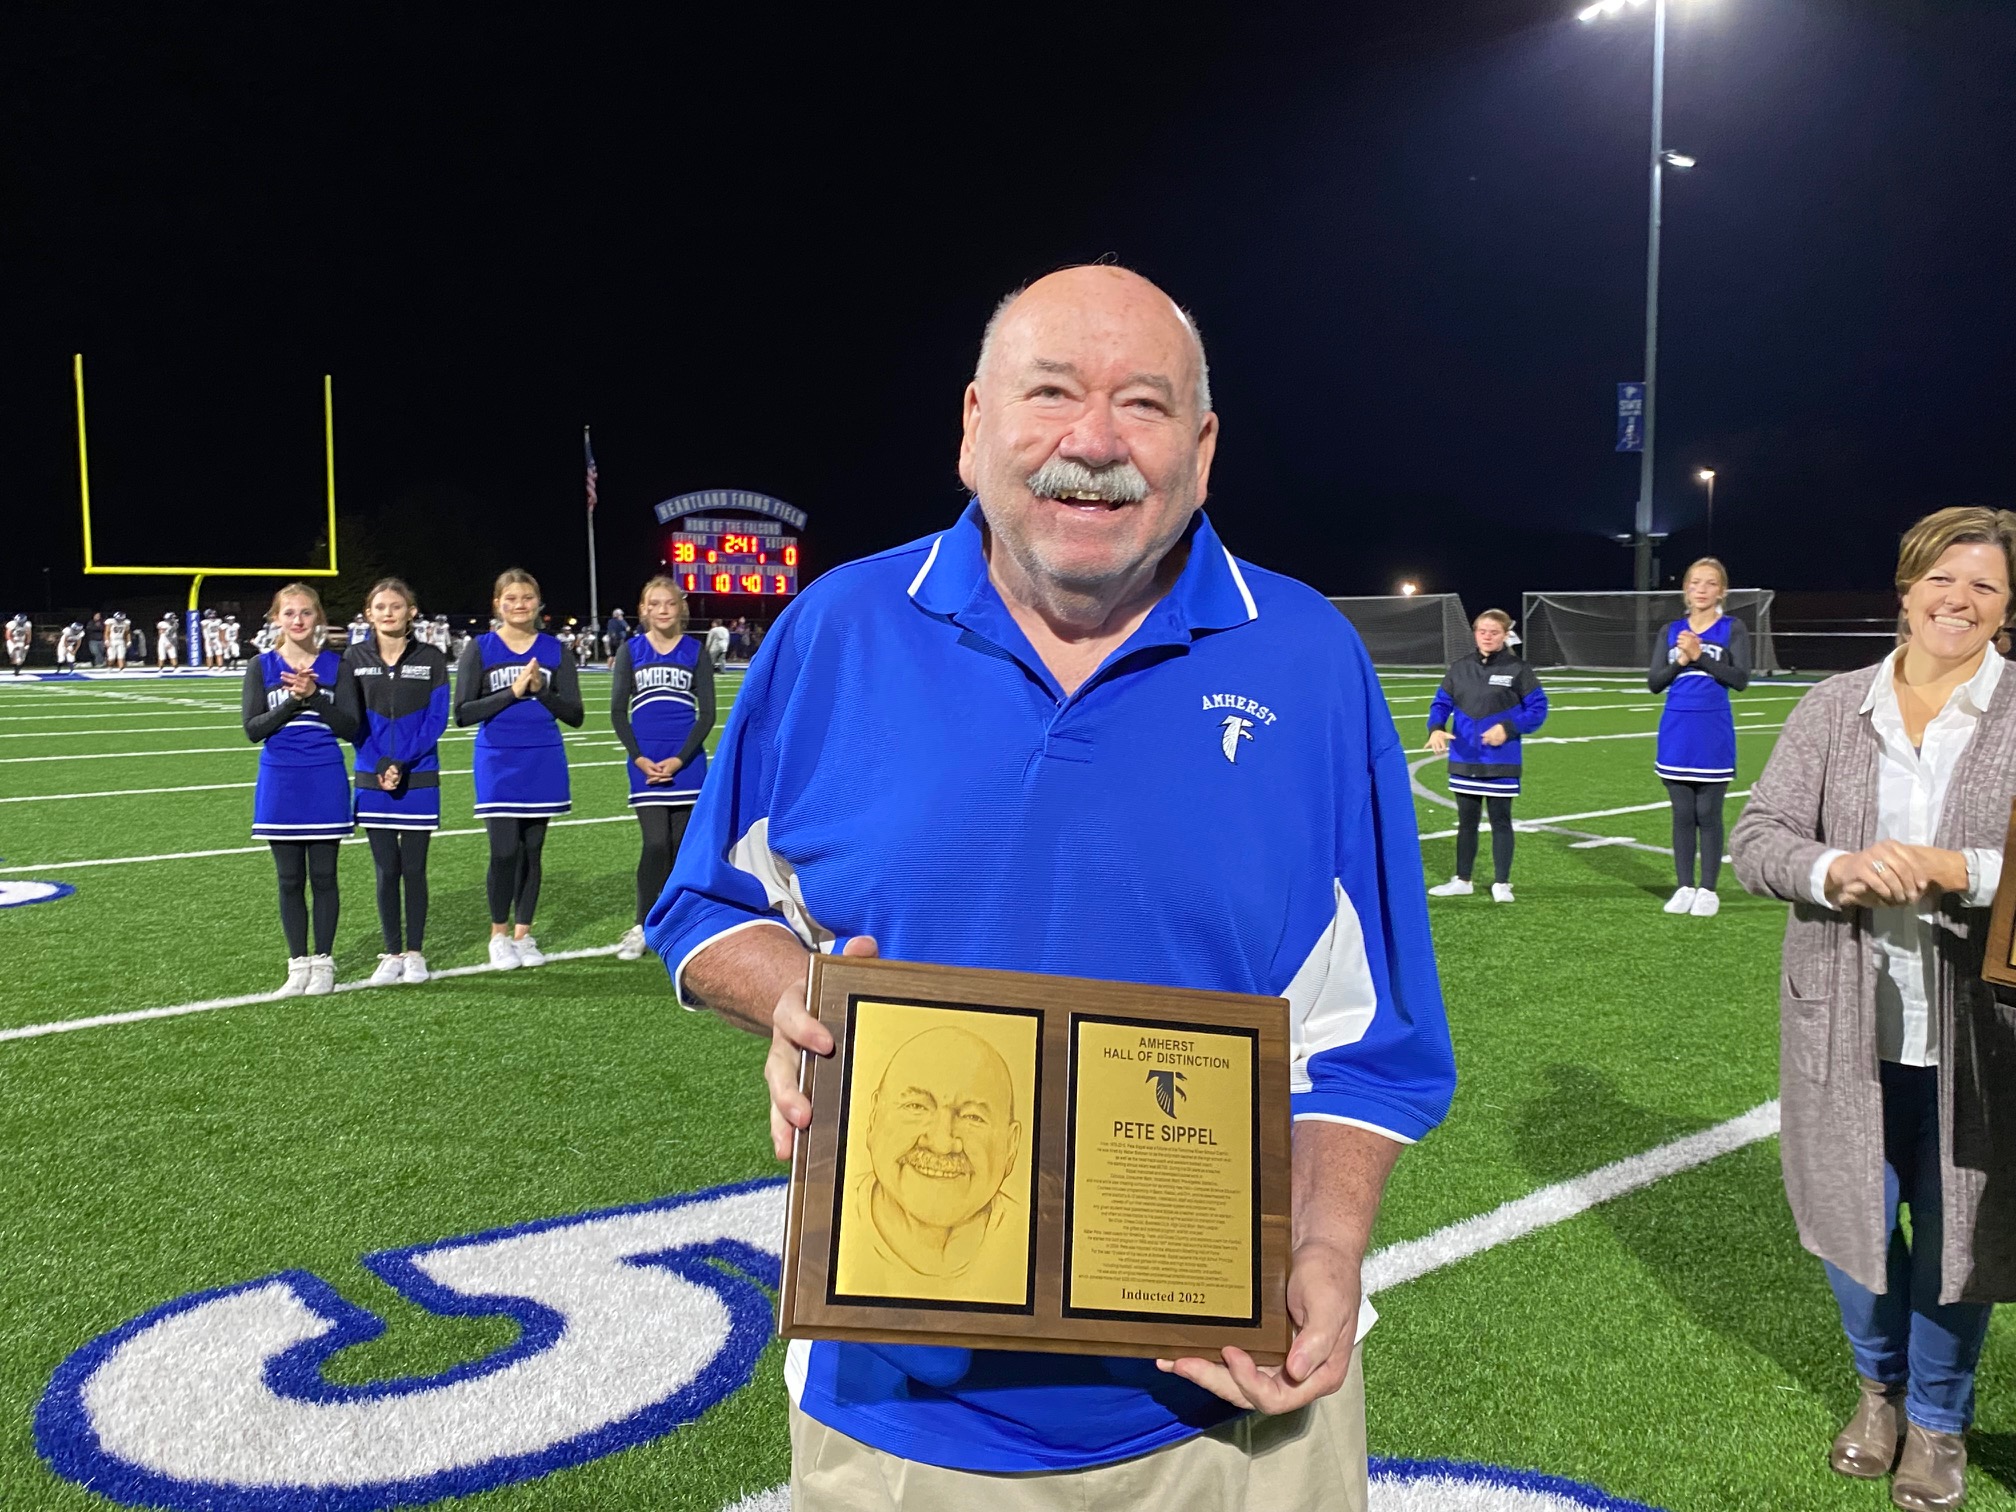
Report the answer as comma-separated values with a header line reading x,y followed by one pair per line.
x,y
1877,866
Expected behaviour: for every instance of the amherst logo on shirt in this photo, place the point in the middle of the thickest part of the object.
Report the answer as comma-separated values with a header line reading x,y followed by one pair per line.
x,y
1501,679
1235,727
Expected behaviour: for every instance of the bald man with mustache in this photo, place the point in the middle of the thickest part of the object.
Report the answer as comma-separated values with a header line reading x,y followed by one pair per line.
x,y
1056,737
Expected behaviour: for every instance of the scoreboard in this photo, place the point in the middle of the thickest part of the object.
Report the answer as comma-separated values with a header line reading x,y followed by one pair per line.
x,y
727,556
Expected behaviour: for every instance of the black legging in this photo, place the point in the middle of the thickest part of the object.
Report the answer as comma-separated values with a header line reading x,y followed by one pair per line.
x,y
299,863
1469,808
400,856
513,882
664,827
1697,808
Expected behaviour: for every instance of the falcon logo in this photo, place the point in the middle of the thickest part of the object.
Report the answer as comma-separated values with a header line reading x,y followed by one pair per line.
x,y
1166,1090
1236,730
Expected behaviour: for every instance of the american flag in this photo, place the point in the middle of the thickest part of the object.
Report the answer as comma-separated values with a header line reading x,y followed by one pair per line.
x,y
589,450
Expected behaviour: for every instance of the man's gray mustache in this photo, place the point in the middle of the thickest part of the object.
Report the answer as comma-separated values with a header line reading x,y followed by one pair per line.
x,y
1115,483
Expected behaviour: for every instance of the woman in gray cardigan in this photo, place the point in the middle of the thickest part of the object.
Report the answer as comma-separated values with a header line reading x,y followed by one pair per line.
x,y
1880,818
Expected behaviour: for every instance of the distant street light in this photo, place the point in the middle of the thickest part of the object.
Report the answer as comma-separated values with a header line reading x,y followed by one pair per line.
x,y
1661,158
1409,589
1707,475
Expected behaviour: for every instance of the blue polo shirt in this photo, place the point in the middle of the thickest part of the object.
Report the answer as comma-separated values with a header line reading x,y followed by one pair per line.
x,y
1223,804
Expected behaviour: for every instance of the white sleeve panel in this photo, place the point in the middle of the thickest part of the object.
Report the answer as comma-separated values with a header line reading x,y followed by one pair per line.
x,y
1332,1000
779,880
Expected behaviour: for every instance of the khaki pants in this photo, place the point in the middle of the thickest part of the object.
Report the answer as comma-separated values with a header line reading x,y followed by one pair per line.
x,y
1307,1461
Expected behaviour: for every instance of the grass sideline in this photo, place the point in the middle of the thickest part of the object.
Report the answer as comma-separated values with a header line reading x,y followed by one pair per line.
x,y
1674,1346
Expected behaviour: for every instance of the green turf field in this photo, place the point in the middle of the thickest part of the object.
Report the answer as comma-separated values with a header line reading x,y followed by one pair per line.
x,y
1673,1346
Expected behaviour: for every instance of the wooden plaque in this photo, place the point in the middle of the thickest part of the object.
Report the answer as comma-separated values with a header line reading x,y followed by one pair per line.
x,y
1998,965
1000,1160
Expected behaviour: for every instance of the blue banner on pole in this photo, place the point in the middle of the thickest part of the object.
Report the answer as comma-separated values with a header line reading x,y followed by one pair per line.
x,y
1630,417
192,638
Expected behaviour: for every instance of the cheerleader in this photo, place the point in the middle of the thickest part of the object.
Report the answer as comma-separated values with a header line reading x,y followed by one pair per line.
x,y
164,641
300,705
1701,658
115,641
1493,698
20,631
517,684
661,701
402,685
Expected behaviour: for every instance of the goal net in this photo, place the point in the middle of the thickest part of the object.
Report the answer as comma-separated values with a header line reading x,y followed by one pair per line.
x,y
1620,630
1421,630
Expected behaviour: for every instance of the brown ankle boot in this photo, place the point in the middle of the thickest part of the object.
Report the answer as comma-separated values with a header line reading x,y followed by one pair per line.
x,y
1931,1472
1867,1447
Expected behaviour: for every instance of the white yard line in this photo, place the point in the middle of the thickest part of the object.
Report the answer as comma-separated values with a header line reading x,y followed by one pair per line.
x,y
1549,819
211,1005
143,730
1411,1259
12,718
261,848
211,787
245,748
1636,708
1532,740
198,787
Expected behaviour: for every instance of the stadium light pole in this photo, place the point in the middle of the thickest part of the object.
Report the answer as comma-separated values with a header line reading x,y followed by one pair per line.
x,y
1641,535
1706,475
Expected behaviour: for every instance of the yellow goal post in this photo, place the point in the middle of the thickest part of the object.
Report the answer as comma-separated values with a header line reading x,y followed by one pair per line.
x,y
95,568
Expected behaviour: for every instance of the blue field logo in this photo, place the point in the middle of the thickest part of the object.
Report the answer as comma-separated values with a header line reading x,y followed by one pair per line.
x,y
21,894
633,1321
1455,1486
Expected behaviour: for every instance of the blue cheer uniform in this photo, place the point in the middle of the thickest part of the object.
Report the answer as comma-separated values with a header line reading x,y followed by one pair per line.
x,y
1478,692
662,706
521,763
303,789
405,710
1697,729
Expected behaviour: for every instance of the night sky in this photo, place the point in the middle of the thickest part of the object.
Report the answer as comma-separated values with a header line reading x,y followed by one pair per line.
x,y
755,249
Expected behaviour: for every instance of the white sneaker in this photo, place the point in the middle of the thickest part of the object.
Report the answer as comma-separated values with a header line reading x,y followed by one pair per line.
x,y
1501,892
631,947
321,976
391,971
297,978
1706,903
529,953
503,954
414,967
1455,887
1681,901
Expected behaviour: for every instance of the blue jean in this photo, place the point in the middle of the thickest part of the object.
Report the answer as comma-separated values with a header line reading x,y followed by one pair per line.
x,y
1906,1335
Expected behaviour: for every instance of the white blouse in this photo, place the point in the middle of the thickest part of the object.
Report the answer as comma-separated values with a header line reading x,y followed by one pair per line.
x,y
1910,793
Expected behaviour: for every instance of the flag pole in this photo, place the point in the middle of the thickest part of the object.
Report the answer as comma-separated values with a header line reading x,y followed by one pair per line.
x,y
594,604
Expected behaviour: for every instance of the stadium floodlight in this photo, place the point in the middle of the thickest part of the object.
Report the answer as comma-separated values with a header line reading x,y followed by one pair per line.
x,y
93,567
1409,589
1662,159
1706,475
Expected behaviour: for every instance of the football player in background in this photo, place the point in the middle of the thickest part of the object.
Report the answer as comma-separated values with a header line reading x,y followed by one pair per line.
x,y
20,631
